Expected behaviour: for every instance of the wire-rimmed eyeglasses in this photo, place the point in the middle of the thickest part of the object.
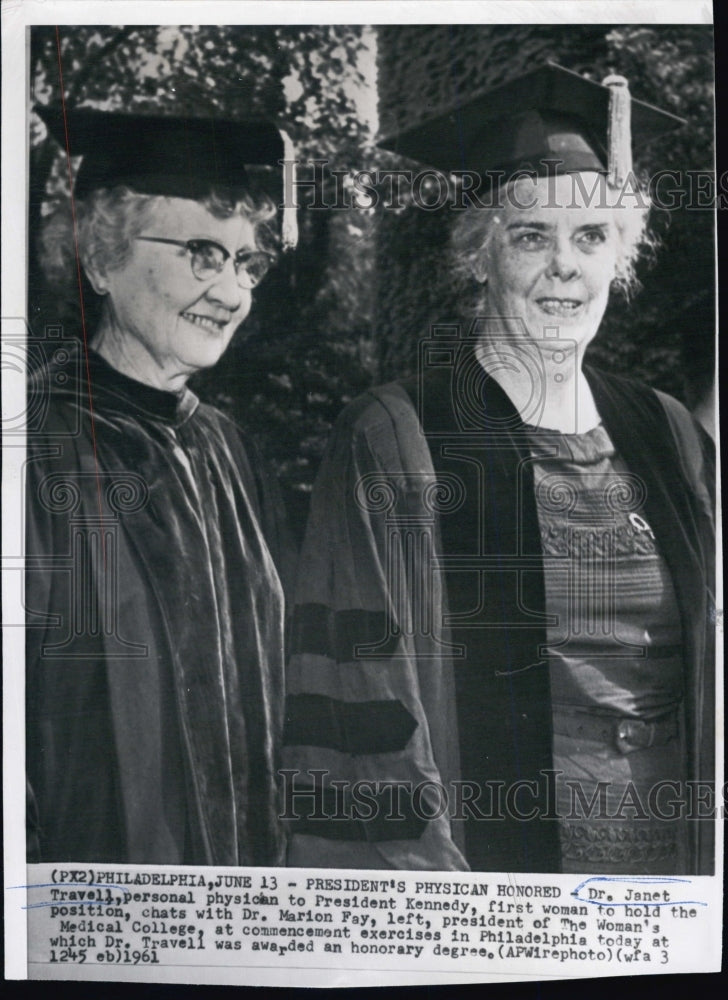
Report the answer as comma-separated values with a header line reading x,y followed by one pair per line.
x,y
207,259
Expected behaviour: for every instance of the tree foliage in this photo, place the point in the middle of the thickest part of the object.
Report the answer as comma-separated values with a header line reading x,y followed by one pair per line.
x,y
666,335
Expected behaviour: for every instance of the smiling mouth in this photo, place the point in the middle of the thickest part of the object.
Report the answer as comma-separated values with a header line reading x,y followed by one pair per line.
x,y
559,307
206,322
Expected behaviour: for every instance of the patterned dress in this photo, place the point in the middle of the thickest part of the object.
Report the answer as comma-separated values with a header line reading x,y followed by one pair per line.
x,y
615,660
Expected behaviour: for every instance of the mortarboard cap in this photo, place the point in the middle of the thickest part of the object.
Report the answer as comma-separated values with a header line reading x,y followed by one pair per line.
x,y
549,121
183,157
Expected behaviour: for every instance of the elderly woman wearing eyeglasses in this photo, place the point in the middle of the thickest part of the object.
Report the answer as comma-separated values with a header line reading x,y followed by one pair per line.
x,y
155,609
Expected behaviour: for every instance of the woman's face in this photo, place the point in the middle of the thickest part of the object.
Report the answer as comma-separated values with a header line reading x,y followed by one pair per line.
x,y
164,315
549,264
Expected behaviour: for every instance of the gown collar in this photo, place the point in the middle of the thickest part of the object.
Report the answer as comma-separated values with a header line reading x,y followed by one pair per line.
x,y
121,392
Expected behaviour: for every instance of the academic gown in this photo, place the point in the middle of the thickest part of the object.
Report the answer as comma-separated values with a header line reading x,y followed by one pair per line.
x,y
420,629
154,660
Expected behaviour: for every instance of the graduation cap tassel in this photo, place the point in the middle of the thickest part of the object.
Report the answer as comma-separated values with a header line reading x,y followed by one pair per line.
x,y
619,133
289,222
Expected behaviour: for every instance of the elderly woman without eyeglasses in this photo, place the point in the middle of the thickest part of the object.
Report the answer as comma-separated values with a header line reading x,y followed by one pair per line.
x,y
155,610
502,649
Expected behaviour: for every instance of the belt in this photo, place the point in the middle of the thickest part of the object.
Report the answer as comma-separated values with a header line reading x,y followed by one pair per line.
x,y
625,735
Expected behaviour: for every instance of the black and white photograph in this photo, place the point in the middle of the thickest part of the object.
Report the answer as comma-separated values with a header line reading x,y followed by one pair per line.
x,y
362,457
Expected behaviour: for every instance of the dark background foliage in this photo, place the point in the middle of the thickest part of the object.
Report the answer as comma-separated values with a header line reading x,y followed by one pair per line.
x,y
349,307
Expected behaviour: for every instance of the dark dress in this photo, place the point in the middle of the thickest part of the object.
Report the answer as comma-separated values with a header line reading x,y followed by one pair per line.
x,y
421,632
154,656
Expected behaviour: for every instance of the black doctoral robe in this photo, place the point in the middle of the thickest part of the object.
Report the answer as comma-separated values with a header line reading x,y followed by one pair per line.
x,y
154,656
420,627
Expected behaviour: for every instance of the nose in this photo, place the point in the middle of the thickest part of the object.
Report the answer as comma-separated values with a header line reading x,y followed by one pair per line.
x,y
225,290
564,262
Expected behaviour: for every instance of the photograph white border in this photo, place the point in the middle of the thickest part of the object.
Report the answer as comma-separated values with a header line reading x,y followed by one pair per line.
x,y
16,17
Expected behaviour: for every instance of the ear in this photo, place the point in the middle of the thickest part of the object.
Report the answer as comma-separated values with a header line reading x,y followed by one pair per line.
x,y
479,267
